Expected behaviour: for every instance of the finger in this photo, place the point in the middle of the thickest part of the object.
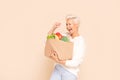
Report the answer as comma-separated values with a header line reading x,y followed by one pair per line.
x,y
57,24
55,54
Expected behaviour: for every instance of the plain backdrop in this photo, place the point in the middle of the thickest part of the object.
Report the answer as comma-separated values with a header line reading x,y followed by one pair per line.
x,y
25,23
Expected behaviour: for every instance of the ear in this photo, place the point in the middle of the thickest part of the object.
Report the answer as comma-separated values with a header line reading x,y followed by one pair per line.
x,y
76,25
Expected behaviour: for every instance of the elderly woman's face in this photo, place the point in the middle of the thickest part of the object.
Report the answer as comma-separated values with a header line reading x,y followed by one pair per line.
x,y
71,26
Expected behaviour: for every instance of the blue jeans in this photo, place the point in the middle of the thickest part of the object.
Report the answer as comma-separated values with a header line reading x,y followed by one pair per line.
x,y
60,73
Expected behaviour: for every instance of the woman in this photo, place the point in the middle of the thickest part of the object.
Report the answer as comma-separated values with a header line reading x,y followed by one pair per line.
x,y
68,69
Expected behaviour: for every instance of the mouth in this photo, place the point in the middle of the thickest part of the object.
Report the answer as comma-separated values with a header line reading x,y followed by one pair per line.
x,y
69,30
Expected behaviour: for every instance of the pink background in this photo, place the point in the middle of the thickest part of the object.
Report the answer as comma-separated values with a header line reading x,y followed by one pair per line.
x,y
25,23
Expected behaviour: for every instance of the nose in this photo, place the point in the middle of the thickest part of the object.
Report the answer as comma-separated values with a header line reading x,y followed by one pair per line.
x,y
67,26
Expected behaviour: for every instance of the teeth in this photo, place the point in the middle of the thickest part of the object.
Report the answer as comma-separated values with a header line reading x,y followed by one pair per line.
x,y
69,29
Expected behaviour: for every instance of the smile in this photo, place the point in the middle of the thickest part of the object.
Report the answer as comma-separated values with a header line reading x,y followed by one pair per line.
x,y
69,29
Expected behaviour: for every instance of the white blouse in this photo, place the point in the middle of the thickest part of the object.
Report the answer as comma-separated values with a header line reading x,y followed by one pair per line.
x,y
78,54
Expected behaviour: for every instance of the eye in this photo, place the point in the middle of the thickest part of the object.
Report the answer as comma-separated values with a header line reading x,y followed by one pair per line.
x,y
66,24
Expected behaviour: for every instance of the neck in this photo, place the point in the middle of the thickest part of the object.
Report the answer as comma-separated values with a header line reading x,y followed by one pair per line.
x,y
75,34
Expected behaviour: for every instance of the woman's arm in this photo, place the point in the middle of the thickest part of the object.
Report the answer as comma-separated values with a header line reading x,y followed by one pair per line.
x,y
55,26
78,55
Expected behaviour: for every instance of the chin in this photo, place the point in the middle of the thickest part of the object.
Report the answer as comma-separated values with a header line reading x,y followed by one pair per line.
x,y
70,33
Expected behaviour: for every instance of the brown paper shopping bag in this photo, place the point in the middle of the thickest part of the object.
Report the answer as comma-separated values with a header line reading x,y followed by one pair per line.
x,y
63,49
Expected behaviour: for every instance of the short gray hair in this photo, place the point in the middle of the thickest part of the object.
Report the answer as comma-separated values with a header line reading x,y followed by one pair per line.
x,y
75,18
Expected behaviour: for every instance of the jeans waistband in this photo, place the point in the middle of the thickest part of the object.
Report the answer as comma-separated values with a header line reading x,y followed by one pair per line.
x,y
63,70
59,67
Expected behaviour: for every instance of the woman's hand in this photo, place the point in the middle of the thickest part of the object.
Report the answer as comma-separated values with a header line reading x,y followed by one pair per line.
x,y
54,56
55,26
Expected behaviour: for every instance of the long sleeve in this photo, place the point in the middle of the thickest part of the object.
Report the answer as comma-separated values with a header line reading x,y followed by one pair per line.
x,y
78,53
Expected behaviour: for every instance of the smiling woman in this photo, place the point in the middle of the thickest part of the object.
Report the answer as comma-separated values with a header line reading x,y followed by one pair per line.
x,y
72,24
68,69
